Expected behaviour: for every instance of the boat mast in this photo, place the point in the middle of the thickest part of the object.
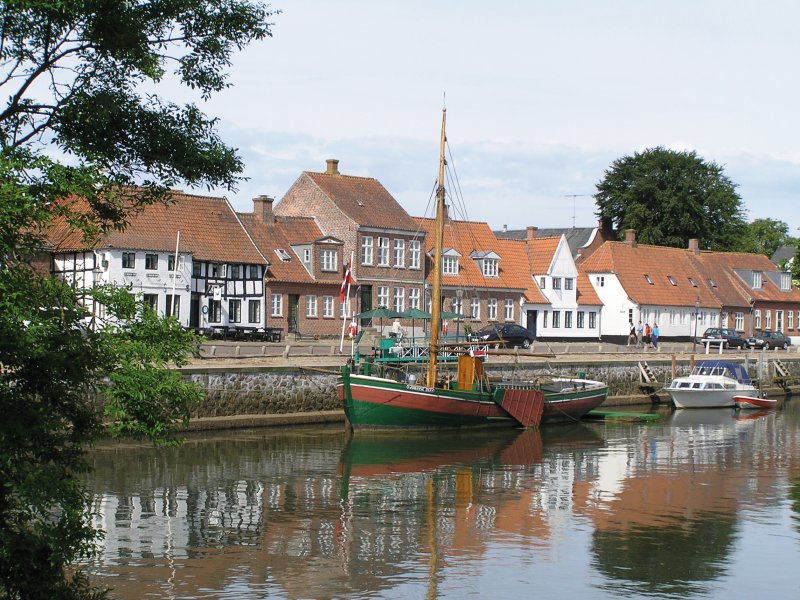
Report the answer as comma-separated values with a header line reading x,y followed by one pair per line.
x,y
436,292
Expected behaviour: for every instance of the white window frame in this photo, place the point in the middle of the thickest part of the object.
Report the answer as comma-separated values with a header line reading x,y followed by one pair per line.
x,y
457,305
757,318
414,254
399,299
449,265
491,267
276,305
367,250
556,283
383,296
254,311
756,280
329,261
475,308
767,319
327,307
789,319
491,309
234,310
509,315
414,298
383,251
738,321
311,307
779,320
399,253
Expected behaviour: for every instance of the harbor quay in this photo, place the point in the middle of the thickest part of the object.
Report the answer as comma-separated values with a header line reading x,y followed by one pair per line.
x,y
295,383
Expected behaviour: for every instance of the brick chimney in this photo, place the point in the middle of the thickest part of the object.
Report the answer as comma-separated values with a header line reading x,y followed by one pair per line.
x,y
332,166
262,208
530,233
630,237
694,245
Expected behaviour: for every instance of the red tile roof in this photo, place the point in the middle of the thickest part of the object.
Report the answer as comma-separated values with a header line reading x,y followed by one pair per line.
x,y
209,229
541,252
283,233
364,200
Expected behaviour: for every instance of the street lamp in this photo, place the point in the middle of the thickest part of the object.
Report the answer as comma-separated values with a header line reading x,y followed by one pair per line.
x,y
696,313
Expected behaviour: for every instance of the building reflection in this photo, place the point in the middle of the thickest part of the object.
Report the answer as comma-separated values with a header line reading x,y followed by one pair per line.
x,y
311,514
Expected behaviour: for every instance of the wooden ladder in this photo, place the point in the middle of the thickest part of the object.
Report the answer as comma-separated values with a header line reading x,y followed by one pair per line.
x,y
646,375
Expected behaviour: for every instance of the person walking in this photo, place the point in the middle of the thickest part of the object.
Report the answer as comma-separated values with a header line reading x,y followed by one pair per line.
x,y
639,334
631,334
646,336
654,336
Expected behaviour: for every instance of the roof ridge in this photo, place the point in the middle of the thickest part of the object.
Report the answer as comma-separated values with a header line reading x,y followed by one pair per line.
x,y
342,175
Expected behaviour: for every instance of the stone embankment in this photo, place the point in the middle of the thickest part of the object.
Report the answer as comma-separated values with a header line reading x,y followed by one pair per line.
x,y
297,384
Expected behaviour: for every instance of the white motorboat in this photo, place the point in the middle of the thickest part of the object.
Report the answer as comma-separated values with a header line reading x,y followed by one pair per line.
x,y
711,384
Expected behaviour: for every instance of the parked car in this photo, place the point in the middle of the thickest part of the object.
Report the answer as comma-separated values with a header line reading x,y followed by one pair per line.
x,y
512,335
769,339
730,337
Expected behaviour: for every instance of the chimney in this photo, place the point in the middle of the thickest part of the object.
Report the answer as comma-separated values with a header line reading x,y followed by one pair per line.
x,y
332,167
630,237
530,233
262,208
694,245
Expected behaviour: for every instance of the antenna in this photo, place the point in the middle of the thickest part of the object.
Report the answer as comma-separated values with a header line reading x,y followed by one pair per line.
x,y
573,196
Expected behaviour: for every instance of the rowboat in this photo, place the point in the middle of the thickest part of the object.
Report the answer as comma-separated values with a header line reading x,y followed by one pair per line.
x,y
747,402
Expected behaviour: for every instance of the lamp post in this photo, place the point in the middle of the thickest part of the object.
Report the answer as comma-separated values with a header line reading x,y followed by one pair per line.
x,y
696,312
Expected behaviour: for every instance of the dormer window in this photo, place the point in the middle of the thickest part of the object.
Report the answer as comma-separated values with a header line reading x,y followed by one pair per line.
x,y
756,280
491,267
450,258
283,254
786,282
329,260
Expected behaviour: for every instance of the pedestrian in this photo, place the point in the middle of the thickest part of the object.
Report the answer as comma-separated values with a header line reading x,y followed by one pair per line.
x,y
631,333
646,336
639,334
654,335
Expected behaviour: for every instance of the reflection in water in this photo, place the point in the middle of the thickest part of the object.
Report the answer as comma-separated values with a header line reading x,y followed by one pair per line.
x,y
665,510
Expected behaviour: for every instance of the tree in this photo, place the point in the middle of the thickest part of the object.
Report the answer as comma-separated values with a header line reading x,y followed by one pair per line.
x,y
765,236
670,197
83,118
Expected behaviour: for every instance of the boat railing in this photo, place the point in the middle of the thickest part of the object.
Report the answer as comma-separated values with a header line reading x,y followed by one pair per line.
x,y
410,349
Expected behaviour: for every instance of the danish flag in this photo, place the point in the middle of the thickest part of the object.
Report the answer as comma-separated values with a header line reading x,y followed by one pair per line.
x,y
345,282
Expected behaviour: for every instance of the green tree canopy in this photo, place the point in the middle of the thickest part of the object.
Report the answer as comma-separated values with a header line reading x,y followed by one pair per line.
x,y
670,197
83,116
765,236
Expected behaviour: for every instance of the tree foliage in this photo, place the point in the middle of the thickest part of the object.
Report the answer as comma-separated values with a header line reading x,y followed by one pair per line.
x,y
670,197
83,117
766,236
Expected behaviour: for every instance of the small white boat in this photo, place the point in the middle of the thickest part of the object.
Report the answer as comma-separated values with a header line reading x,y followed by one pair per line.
x,y
712,384
754,403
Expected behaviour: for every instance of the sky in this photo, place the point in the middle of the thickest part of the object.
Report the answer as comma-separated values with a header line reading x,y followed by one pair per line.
x,y
541,98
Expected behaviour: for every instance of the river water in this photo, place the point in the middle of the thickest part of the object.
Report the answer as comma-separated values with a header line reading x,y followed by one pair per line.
x,y
701,504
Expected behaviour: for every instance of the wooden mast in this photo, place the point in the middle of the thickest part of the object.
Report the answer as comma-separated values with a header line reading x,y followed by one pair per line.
x,y
436,292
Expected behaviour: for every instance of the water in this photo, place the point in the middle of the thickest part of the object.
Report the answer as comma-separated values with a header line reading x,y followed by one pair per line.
x,y
703,504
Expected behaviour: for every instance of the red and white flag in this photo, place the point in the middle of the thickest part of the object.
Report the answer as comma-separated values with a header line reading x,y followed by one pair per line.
x,y
345,282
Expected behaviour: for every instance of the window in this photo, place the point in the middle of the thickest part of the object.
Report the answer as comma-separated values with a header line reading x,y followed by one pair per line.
x,y
600,280
647,279
556,319
306,255
491,267
789,319
786,281
343,309
779,320
171,263
327,307
592,320
672,281
509,309
254,311
366,250
329,260
236,271
129,260
276,305
214,311
568,319
767,319
234,310
569,283
311,307
254,272
383,252
543,282
556,283
196,269
475,308
383,296
399,299
544,319
579,323
757,318
413,298
693,282
491,309
150,301
457,305
283,254
450,265
712,283
413,254
400,254
151,262
173,306
757,281
739,321
217,270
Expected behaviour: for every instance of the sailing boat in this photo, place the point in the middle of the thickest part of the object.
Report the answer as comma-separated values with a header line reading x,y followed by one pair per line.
x,y
471,400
